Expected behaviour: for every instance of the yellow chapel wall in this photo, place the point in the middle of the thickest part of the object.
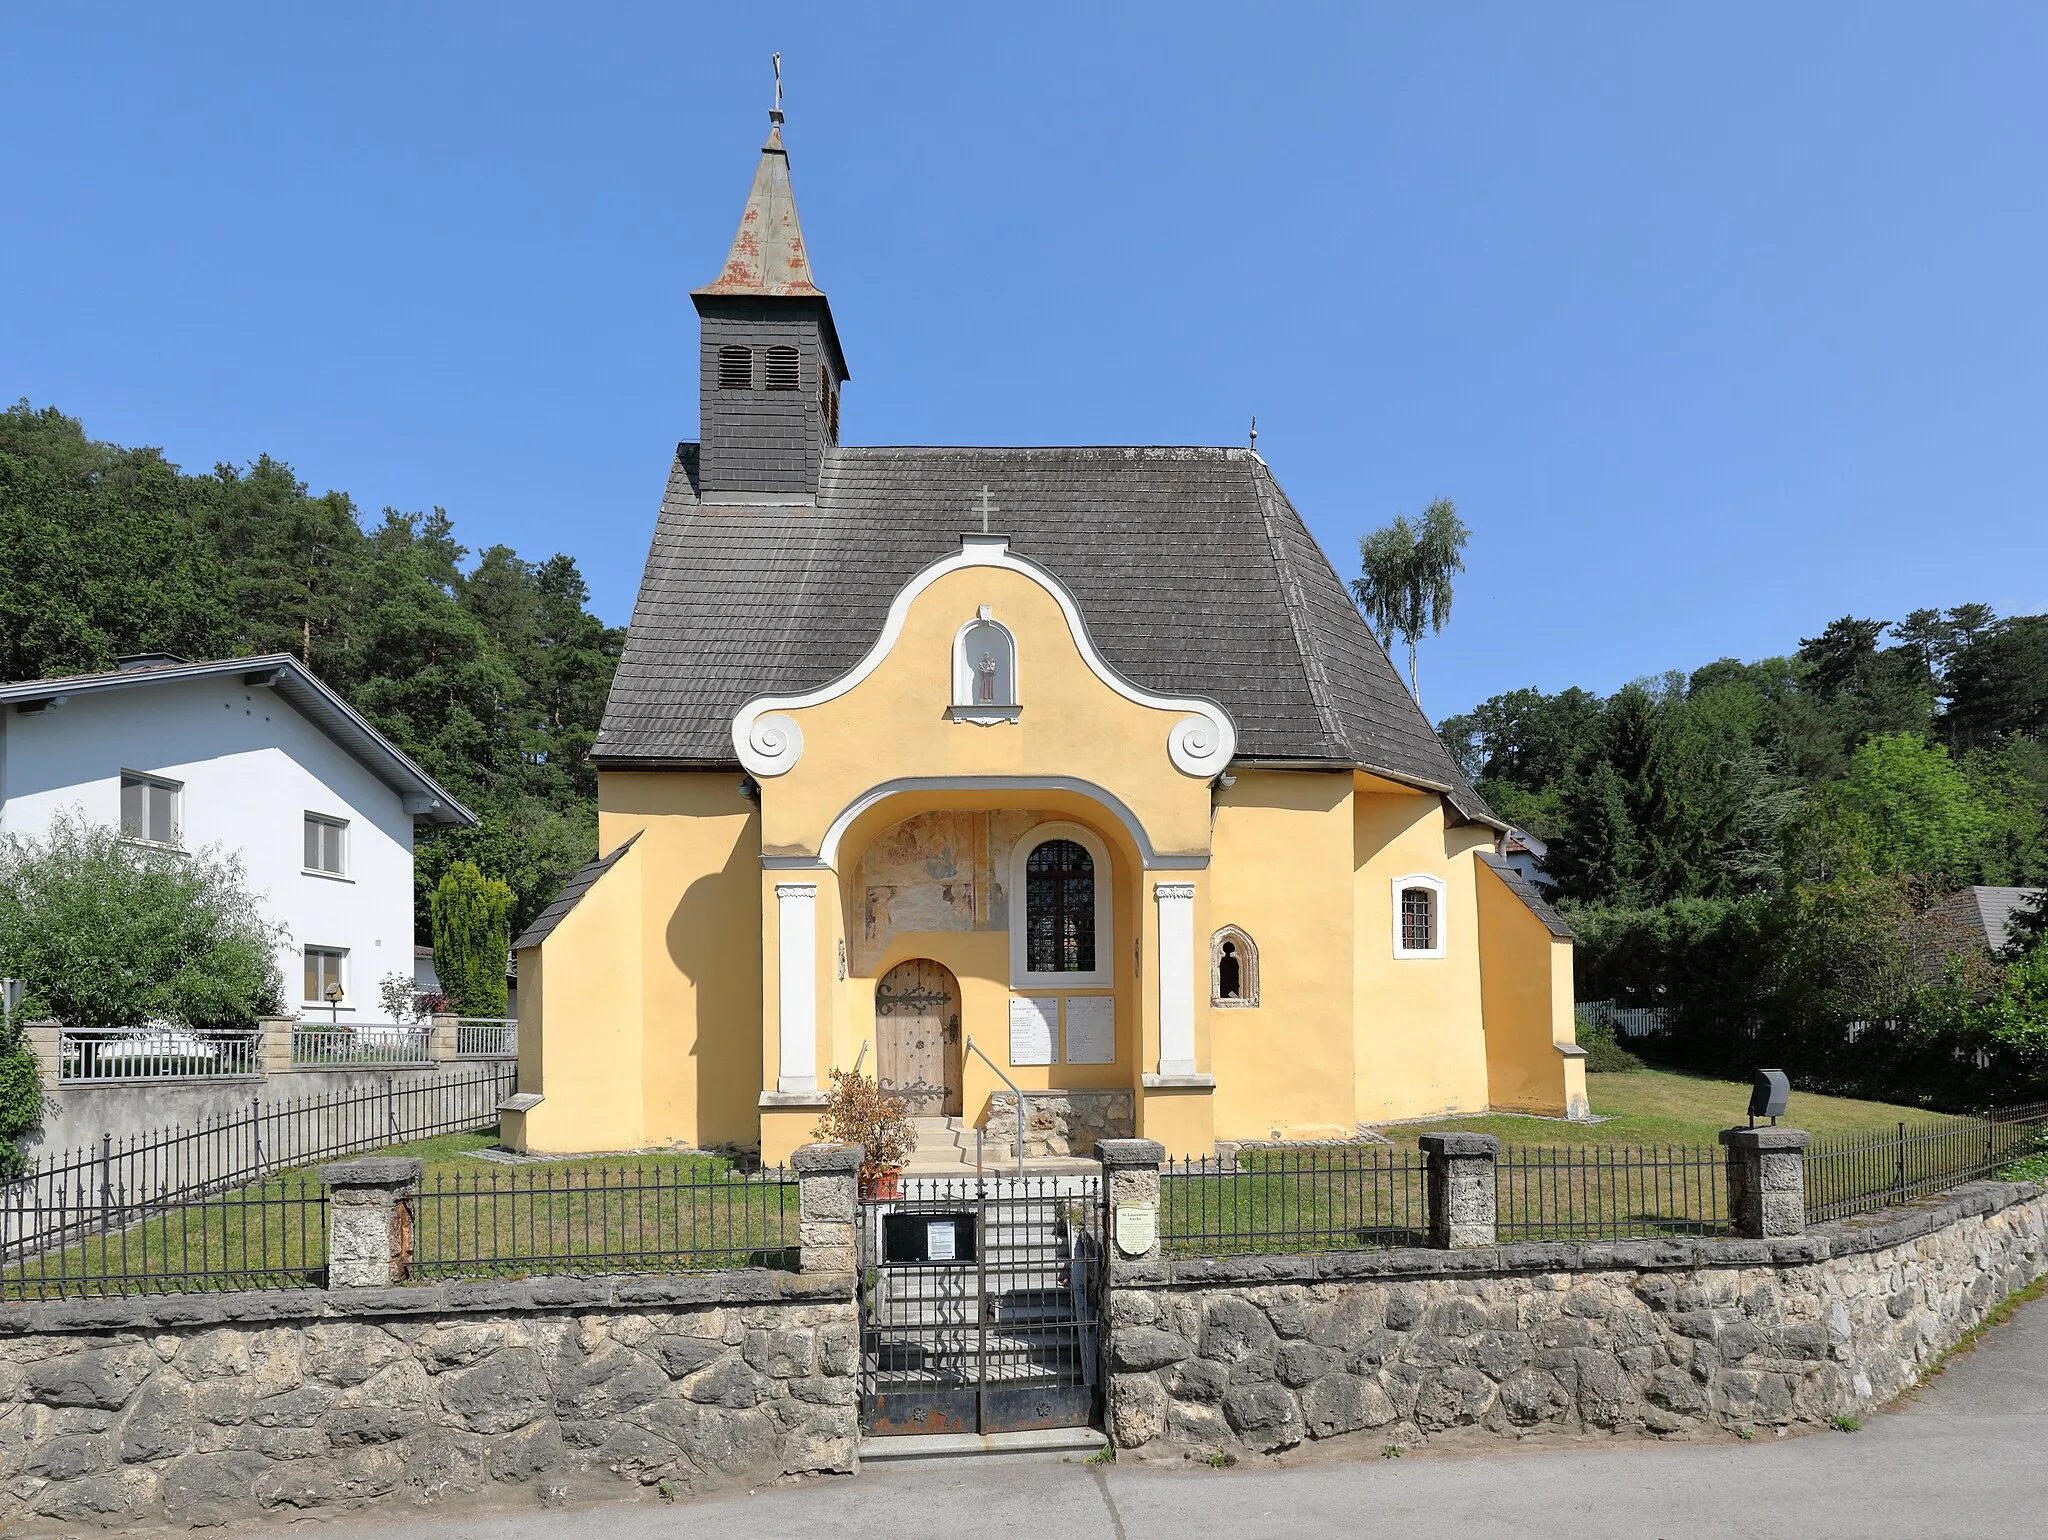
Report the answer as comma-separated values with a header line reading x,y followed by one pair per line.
x,y
580,1020
1072,726
697,922
1282,873
1527,992
1421,1044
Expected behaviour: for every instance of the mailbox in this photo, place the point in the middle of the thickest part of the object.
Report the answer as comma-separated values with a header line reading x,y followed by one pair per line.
x,y
1768,1096
937,1239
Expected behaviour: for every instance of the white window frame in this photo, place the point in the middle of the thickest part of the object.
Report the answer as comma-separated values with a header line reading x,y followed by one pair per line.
x,y
330,821
1439,891
1247,997
162,783
342,971
1021,977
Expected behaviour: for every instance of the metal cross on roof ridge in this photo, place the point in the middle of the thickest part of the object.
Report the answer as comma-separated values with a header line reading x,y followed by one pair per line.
x,y
986,509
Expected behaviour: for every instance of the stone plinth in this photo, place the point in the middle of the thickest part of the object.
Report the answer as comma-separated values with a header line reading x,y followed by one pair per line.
x,y
369,1221
1461,1188
1766,1180
828,1206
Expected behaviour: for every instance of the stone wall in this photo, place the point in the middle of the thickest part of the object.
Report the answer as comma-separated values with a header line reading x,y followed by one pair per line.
x,y
1662,1337
203,1409
1061,1122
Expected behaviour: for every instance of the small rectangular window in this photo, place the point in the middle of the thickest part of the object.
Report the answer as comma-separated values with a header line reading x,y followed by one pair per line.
x,y
325,967
326,845
735,368
150,808
1418,920
785,368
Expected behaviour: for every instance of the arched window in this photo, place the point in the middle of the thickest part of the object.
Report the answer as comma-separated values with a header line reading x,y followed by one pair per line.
x,y
1233,970
984,672
1418,916
785,368
735,368
1060,907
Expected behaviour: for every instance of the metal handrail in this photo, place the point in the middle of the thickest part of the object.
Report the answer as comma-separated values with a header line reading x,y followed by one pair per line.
x,y
1015,1090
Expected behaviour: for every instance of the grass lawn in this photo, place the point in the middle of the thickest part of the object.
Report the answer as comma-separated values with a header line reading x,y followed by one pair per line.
x,y
623,1213
1658,1106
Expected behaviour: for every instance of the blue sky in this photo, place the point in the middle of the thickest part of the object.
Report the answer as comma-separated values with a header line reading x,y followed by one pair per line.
x,y
1716,325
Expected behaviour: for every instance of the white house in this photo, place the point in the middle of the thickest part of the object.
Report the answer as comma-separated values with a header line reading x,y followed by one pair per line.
x,y
255,755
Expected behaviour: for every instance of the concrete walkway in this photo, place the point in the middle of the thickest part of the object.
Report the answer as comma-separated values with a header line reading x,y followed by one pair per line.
x,y
1967,1456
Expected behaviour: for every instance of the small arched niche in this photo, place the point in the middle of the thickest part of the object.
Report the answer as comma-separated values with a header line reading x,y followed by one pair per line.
x,y
984,672
1233,970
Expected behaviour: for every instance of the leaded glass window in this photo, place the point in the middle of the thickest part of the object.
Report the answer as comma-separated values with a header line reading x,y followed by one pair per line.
x,y
1059,909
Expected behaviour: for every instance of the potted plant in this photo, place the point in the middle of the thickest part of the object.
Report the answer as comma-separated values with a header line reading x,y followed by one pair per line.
x,y
858,1112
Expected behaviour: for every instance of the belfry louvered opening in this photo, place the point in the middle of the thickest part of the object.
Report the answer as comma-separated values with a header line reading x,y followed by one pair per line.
x,y
785,368
735,368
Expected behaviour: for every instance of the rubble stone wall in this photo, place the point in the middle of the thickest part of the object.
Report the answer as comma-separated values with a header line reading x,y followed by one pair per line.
x,y
204,1409
1661,1337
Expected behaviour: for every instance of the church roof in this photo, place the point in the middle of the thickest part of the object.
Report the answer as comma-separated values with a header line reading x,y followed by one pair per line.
x,y
768,256
1193,572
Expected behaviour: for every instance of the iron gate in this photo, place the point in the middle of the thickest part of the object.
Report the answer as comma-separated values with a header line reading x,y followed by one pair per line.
x,y
981,1301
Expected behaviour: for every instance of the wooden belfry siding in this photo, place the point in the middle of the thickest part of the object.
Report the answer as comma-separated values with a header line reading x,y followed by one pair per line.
x,y
761,441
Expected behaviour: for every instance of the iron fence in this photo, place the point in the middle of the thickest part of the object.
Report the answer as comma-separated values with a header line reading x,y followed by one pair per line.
x,y
100,1055
637,1218
123,1176
371,1045
1609,1192
102,1241
1850,1174
1336,1197
486,1037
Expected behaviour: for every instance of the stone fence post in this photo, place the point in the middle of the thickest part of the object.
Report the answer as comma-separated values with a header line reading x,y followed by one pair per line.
x,y
44,1039
1462,1188
828,1206
277,1043
1766,1181
442,1047
369,1220
1132,1166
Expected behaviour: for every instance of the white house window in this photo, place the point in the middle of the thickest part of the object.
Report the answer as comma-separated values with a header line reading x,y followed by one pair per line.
x,y
326,975
1233,970
984,672
326,845
151,808
1060,907
1418,916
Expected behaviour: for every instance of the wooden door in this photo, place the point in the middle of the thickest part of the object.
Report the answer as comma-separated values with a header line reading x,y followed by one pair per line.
x,y
917,1030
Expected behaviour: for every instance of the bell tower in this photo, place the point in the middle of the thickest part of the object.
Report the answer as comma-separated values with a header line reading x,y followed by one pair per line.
x,y
770,370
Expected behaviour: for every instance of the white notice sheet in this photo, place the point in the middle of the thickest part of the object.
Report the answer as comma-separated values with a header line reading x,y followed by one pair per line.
x,y
1091,1029
1034,1028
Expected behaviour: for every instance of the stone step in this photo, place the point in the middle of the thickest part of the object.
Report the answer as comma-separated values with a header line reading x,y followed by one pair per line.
x,y
1056,1442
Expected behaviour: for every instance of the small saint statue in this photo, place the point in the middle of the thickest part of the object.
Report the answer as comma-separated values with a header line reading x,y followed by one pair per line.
x,y
985,679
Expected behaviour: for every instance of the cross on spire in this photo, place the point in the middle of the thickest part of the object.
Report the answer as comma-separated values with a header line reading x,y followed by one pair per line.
x,y
775,112
986,508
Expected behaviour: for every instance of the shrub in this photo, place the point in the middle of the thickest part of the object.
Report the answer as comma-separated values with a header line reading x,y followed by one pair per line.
x,y
857,1112
1604,1053
109,933
472,919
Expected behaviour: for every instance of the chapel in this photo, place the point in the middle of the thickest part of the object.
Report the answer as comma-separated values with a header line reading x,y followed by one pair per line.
x,y
1073,770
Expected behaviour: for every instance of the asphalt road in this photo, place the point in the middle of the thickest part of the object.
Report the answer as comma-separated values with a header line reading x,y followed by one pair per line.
x,y
1967,1456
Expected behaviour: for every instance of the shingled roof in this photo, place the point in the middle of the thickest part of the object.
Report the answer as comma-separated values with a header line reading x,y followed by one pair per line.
x,y
1525,890
1193,572
580,882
